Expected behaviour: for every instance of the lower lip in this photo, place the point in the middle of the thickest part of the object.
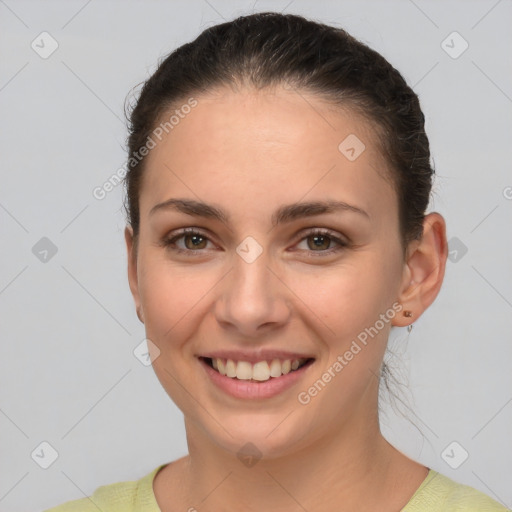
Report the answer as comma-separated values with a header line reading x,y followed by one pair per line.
x,y
250,389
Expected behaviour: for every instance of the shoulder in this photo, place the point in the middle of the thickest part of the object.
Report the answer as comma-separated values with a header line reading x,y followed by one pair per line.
x,y
116,497
438,492
134,495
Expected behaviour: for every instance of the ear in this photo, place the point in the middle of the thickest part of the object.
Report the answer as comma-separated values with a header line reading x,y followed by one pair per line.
x,y
424,270
131,248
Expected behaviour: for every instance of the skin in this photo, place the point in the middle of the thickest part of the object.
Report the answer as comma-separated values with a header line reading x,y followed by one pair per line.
x,y
250,152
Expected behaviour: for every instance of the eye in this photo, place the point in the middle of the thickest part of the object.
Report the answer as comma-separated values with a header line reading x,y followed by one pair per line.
x,y
193,241
320,241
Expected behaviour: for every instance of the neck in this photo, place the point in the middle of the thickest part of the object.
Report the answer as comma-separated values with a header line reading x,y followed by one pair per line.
x,y
349,470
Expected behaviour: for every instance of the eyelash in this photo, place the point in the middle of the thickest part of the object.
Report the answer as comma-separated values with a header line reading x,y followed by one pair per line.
x,y
169,243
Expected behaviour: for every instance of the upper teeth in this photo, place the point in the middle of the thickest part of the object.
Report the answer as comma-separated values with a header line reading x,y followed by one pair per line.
x,y
261,370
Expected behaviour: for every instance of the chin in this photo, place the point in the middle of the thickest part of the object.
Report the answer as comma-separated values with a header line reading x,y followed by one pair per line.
x,y
259,435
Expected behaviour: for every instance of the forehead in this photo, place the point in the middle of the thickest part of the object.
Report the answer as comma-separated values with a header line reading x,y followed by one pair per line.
x,y
252,150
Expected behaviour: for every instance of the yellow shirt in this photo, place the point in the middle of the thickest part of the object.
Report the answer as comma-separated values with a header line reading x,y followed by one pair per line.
x,y
436,493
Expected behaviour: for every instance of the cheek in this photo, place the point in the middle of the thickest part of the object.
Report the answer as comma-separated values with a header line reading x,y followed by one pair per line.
x,y
350,299
172,297
346,297
171,301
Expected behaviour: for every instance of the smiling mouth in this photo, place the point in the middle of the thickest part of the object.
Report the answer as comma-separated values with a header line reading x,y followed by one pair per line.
x,y
261,371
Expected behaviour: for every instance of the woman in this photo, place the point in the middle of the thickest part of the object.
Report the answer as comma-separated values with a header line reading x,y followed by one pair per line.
x,y
279,175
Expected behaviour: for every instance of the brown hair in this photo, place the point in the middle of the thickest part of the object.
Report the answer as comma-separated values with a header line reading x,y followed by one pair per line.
x,y
267,49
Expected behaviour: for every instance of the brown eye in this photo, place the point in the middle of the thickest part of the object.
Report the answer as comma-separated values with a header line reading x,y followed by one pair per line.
x,y
187,241
319,242
197,241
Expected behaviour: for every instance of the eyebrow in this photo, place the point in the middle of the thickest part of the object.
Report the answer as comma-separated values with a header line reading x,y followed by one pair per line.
x,y
283,214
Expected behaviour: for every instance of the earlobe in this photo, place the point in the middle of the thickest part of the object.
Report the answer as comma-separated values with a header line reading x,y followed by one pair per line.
x,y
131,250
424,270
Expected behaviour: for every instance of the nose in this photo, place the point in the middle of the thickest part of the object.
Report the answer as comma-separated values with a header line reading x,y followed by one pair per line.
x,y
253,298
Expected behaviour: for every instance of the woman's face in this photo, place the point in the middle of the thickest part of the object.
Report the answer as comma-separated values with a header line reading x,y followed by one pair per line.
x,y
258,284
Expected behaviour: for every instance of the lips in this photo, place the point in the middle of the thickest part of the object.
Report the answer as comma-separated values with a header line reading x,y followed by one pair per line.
x,y
260,370
248,387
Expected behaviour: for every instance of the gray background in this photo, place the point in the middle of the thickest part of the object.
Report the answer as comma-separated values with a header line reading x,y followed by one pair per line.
x,y
69,376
